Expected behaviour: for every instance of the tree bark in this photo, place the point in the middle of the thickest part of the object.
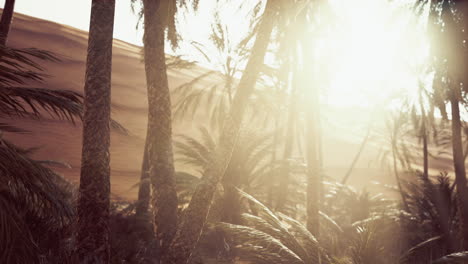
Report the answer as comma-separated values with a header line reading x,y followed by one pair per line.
x,y
195,215
144,191
93,204
159,135
5,22
459,166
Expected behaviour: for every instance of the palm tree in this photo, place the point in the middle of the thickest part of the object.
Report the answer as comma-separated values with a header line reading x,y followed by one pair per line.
x,y
226,56
36,206
33,199
92,236
451,66
5,22
144,190
18,100
196,213
216,99
159,16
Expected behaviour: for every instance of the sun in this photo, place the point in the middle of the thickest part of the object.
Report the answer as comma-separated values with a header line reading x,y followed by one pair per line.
x,y
372,50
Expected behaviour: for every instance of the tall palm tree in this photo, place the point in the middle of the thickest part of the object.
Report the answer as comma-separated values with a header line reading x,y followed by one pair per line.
x,y
159,16
196,213
5,22
92,236
144,190
451,67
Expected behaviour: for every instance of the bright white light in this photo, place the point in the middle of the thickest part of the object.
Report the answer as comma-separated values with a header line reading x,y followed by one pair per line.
x,y
374,49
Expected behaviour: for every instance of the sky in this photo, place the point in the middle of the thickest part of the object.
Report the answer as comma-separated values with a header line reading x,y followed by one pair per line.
x,y
76,13
366,48
194,26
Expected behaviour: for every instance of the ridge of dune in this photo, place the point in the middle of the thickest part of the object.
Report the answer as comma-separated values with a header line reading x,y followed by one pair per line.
x,y
60,140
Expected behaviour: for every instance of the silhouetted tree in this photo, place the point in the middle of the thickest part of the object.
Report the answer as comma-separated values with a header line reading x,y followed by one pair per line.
x,y
196,213
159,16
5,22
451,58
92,236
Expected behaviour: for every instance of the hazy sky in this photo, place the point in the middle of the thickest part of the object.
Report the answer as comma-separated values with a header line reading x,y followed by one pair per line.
x,y
76,13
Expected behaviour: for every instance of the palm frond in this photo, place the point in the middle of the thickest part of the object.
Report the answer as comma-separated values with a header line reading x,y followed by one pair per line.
x,y
23,101
34,201
257,247
454,258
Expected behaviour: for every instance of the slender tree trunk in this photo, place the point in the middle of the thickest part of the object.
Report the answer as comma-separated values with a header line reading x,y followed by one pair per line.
x,y
288,148
311,141
159,135
424,137
425,154
195,215
358,154
144,191
313,170
231,210
273,173
5,22
397,176
92,236
459,166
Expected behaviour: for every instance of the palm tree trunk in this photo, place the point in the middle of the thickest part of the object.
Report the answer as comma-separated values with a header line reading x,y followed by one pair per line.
x,y
313,169
159,135
144,191
424,137
358,154
5,22
231,210
310,89
273,173
195,215
425,154
93,204
459,166
397,176
288,148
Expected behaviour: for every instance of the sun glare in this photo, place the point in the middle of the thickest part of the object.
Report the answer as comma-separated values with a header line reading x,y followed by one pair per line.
x,y
375,48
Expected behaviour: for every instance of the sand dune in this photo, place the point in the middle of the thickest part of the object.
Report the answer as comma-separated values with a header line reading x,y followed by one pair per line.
x,y
60,140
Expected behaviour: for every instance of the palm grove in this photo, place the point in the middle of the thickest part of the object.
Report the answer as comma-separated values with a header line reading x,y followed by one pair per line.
x,y
252,199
